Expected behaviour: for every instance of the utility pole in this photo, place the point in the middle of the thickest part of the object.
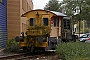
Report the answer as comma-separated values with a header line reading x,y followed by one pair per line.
x,y
79,28
83,26
79,21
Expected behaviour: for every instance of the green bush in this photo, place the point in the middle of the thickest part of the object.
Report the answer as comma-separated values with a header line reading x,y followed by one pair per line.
x,y
86,30
74,51
12,47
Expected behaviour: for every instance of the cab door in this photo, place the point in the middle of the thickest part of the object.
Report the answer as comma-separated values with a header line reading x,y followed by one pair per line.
x,y
54,27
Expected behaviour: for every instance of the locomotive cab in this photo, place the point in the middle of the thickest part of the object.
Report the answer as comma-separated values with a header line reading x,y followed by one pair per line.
x,y
41,33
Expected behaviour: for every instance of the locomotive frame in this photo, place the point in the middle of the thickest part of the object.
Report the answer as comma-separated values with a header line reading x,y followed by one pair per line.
x,y
45,30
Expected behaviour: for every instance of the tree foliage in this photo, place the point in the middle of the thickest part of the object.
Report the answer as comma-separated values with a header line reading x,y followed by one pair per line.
x,y
78,9
52,5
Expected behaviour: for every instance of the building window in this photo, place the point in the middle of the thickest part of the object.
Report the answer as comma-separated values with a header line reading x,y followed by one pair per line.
x,y
24,5
0,1
32,22
56,22
45,22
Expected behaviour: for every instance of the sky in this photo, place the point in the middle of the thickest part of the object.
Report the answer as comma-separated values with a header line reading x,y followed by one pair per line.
x,y
40,4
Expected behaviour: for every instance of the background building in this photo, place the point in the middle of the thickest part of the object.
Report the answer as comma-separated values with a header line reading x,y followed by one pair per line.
x,y
15,23
3,23
11,22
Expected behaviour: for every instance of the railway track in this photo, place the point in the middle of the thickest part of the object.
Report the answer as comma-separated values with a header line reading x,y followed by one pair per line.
x,y
12,56
30,56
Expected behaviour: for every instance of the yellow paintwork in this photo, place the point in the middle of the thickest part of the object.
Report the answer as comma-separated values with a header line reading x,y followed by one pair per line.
x,y
38,30
42,14
36,44
24,43
43,44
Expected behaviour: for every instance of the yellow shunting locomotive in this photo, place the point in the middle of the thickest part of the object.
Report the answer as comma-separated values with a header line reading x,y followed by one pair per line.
x,y
45,30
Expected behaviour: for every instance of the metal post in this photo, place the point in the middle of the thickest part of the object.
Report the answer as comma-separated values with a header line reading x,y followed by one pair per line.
x,y
79,28
83,26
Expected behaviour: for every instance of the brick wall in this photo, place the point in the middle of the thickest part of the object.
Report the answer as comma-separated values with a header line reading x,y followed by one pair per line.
x,y
15,8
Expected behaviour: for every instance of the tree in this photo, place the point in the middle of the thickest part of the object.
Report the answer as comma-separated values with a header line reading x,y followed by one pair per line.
x,y
52,5
86,13
77,9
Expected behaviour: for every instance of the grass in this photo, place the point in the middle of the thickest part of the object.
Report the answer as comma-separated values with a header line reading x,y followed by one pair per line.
x,y
74,51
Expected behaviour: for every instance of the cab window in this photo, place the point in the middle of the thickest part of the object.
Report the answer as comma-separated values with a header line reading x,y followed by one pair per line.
x,y
32,22
45,22
56,22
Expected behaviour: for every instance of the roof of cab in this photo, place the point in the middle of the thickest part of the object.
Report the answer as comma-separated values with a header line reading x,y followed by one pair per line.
x,y
54,12
58,13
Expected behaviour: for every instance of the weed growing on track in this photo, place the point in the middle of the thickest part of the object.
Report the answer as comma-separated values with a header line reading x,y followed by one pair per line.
x,y
74,51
